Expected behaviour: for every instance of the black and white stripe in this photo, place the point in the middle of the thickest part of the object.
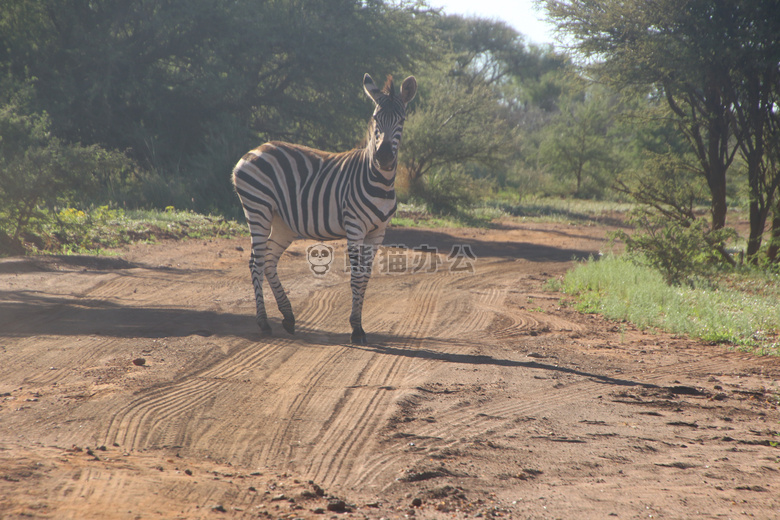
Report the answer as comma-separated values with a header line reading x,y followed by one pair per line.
x,y
290,191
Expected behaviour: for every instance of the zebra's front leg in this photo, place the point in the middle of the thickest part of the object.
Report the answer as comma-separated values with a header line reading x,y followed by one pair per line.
x,y
361,258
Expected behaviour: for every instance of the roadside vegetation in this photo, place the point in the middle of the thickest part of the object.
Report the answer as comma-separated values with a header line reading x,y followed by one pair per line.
x,y
741,308
97,230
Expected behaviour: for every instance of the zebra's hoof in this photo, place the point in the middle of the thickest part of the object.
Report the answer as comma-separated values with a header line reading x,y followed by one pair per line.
x,y
289,325
358,337
265,327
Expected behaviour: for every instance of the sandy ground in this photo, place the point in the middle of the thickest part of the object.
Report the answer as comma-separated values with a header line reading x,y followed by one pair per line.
x,y
138,386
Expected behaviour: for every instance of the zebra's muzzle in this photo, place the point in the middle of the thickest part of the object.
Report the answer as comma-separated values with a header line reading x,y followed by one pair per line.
x,y
385,155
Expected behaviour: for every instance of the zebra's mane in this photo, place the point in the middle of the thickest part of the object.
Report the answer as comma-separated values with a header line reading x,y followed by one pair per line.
x,y
388,89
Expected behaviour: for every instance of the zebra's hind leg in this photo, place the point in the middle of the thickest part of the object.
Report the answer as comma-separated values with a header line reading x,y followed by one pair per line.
x,y
281,237
259,220
256,268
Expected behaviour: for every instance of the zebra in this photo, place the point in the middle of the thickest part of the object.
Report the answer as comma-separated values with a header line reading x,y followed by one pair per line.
x,y
289,191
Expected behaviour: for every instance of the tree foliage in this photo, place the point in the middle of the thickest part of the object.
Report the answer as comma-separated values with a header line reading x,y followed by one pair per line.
x,y
137,104
186,87
715,63
38,171
576,143
681,251
464,133
455,123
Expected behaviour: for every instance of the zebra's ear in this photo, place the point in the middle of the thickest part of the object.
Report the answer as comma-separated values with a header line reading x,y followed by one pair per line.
x,y
371,89
408,89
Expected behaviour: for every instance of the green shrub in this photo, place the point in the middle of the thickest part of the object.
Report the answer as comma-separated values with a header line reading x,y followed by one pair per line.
x,y
681,250
449,191
39,173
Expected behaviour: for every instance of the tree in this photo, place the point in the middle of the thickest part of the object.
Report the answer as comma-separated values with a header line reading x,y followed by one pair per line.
x,y
453,124
656,164
576,142
752,46
714,63
642,43
464,132
482,50
186,87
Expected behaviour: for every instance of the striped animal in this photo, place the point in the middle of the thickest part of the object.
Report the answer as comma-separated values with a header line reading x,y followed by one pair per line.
x,y
290,191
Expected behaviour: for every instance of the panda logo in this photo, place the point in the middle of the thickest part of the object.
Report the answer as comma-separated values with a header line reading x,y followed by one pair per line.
x,y
320,257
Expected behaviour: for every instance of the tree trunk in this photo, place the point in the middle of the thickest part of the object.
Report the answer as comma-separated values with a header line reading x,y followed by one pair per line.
x,y
578,173
716,180
774,243
717,184
757,223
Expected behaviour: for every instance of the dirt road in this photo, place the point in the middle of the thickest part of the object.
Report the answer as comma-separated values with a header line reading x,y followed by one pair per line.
x,y
138,386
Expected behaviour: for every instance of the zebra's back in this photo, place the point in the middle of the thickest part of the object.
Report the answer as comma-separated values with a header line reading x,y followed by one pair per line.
x,y
304,186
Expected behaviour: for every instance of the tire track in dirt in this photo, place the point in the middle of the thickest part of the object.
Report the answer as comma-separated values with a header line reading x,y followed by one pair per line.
x,y
157,417
473,315
321,309
476,419
479,418
64,353
367,405
448,370
349,430
141,288
83,488
117,284
132,425
478,312
312,376
310,369
508,323
163,417
381,464
79,352
313,391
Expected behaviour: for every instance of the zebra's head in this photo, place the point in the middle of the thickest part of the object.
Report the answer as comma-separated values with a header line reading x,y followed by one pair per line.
x,y
388,121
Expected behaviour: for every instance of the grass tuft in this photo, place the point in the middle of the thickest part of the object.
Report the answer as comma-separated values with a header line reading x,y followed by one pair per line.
x,y
719,313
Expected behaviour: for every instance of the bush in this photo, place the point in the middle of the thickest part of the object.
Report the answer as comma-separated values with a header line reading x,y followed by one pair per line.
x,y
680,250
449,191
39,173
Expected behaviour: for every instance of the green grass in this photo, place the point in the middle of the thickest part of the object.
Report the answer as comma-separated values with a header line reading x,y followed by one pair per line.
x,y
72,231
549,209
574,211
723,312
415,215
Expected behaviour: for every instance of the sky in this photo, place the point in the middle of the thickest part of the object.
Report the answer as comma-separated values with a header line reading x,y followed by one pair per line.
x,y
520,14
